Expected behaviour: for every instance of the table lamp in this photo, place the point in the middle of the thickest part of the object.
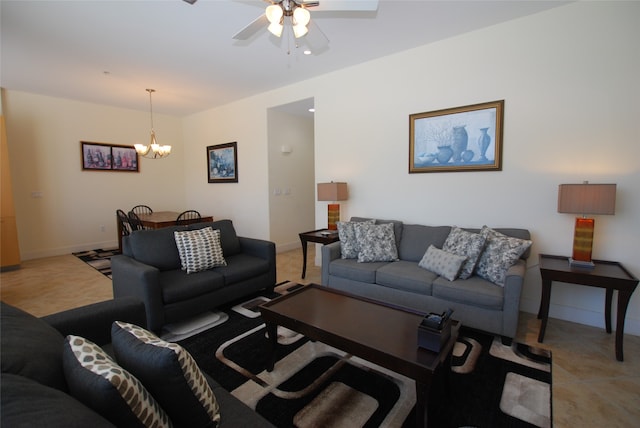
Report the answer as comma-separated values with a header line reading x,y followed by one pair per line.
x,y
585,199
332,192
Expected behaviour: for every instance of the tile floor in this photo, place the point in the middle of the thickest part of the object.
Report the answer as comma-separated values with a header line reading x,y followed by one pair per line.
x,y
590,388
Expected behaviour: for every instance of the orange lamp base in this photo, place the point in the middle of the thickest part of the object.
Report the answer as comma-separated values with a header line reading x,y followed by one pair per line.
x,y
333,215
583,242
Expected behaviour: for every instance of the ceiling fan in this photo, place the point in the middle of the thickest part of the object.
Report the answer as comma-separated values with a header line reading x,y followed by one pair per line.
x,y
294,13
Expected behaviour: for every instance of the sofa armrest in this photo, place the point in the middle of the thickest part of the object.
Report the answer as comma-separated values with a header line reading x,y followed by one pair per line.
x,y
94,321
330,252
513,284
264,250
132,278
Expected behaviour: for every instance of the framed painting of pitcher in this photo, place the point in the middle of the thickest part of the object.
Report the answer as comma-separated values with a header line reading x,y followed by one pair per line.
x,y
465,138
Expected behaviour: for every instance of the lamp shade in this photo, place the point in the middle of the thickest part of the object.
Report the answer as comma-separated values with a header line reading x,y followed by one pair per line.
x,y
332,191
587,198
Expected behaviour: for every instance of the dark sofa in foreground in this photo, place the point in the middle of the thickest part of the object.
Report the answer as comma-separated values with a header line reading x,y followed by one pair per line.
x,y
150,269
34,390
489,301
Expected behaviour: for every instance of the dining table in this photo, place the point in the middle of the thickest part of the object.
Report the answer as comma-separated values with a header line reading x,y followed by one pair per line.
x,y
160,219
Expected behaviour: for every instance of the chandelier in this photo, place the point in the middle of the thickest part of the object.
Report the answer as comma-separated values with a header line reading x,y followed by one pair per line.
x,y
153,150
298,14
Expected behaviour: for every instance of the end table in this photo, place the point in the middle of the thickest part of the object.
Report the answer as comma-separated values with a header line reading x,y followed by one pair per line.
x,y
320,236
605,274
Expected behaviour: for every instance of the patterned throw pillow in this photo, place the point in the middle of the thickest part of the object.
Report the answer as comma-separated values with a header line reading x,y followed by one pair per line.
x,y
377,242
101,384
169,372
466,244
199,249
349,247
441,262
500,253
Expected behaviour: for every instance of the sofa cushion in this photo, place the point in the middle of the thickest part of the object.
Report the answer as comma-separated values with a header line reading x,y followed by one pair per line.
x,y
199,249
474,291
352,270
417,238
100,383
228,237
31,348
241,267
169,372
177,285
499,254
26,403
467,244
349,244
441,262
407,276
377,242
156,247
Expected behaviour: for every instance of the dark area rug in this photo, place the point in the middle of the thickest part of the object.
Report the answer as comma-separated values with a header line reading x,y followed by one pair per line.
x,y
485,383
98,259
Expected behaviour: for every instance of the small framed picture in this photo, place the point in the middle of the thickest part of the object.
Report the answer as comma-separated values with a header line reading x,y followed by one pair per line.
x,y
222,163
108,157
465,138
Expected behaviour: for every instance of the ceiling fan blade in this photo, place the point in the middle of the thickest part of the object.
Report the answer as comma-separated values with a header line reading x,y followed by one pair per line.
x,y
315,38
191,1
346,5
256,25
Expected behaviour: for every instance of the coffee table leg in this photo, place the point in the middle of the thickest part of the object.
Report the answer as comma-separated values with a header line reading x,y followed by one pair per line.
x,y
422,399
272,334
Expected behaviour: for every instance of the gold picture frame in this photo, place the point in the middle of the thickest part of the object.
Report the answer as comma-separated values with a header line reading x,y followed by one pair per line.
x,y
467,138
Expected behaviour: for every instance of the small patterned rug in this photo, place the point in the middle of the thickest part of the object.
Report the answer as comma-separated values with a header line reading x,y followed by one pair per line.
x,y
488,384
99,259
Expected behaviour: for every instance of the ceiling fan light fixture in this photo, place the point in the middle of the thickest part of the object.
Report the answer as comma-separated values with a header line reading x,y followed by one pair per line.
x,y
274,13
301,16
276,29
299,30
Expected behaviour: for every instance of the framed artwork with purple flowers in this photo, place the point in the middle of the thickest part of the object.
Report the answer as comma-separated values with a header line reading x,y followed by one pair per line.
x,y
467,138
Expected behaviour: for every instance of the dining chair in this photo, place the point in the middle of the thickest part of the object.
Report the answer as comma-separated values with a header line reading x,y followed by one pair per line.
x,y
123,221
134,220
187,217
142,209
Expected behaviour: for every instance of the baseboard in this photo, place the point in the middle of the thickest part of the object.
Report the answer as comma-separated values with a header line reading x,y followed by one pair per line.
x,y
581,316
283,248
61,251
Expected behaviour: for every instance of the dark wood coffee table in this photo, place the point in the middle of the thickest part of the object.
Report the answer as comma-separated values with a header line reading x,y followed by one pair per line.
x,y
379,333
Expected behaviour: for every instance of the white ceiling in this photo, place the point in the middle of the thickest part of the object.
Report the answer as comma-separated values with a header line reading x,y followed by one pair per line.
x,y
109,52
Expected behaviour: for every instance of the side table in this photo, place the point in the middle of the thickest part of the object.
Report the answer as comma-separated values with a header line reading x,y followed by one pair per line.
x,y
606,274
320,236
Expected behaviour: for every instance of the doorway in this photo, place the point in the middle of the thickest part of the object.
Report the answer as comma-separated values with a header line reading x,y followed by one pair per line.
x,y
290,134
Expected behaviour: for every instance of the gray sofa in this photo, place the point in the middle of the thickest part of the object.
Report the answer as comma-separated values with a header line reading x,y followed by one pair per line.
x,y
477,302
34,389
150,269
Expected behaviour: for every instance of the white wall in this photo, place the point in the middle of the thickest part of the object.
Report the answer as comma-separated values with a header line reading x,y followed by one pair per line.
x,y
44,135
569,80
291,178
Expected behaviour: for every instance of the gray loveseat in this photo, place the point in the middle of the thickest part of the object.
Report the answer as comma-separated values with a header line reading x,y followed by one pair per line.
x,y
477,302
150,269
35,392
